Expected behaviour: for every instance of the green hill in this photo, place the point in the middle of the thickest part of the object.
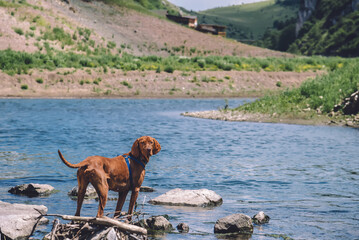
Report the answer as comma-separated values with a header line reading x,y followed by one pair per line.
x,y
146,5
331,30
249,22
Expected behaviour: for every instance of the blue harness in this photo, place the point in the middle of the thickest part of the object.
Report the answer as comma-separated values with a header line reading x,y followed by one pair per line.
x,y
129,167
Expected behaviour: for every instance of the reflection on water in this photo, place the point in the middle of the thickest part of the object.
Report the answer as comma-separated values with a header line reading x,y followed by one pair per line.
x,y
304,177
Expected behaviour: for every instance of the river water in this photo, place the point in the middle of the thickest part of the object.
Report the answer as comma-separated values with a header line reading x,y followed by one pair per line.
x,y
306,178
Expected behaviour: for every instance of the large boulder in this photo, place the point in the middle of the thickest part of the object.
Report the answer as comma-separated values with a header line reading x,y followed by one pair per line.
x,y
18,221
350,105
235,223
32,190
192,198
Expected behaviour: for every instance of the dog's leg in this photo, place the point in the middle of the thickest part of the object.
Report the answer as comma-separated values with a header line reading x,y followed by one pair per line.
x,y
120,202
82,186
134,196
99,182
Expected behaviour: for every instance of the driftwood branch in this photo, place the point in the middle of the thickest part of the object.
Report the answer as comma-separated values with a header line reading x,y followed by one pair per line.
x,y
54,227
106,222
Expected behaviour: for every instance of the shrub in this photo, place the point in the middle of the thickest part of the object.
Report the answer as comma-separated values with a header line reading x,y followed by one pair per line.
x,y
111,45
169,69
127,84
39,80
19,31
158,70
24,87
201,63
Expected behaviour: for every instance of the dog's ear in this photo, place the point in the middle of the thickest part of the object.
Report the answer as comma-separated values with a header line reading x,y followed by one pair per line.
x,y
156,146
135,150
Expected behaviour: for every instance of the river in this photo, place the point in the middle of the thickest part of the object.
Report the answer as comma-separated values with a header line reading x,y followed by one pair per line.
x,y
306,178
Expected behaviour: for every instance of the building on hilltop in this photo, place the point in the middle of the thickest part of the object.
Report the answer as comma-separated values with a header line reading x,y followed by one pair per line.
x,y
212,28
190,21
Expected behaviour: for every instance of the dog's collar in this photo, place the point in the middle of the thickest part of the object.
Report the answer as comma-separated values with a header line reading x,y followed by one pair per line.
x,y
129,166
136,160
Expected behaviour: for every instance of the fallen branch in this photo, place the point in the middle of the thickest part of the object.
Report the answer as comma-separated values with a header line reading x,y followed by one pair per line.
x,y
106,222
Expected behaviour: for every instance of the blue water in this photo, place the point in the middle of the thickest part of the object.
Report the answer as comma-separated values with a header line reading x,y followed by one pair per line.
x,y
306,178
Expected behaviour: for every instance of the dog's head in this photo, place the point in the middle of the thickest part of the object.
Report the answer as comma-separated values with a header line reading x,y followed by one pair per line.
x,y
145,147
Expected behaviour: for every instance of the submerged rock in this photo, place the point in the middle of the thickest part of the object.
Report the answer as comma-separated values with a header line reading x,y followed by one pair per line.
x,y
183,228
32,190
192,198
18,221
235,223
146,189
260,218
90,192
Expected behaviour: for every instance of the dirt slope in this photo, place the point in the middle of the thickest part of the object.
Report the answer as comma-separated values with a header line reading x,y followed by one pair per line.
x,y
143,34
134,33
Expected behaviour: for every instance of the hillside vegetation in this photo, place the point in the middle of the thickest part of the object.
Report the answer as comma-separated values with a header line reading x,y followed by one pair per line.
x,y
145,5
332,30
249,22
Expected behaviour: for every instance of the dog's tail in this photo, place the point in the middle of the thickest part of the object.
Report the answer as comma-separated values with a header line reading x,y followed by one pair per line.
x,y
67,163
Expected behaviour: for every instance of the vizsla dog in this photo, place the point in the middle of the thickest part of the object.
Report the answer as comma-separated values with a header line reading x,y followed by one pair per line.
x,y
120,174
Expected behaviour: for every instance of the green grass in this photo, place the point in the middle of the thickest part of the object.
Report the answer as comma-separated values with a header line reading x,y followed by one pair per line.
x,y
145,6
13,62
316,95
249,21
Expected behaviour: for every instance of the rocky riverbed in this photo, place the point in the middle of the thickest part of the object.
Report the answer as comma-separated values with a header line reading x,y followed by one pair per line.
x,y
28,217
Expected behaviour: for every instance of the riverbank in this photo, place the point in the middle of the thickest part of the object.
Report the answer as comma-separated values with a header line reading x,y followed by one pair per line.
x,y
90,83
241,116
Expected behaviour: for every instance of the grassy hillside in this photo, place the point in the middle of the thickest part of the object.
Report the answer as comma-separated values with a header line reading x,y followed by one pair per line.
x,y
314,98
250,21
145,5
332,30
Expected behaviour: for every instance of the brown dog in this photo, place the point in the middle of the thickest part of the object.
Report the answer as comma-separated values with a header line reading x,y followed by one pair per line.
x,y
114,174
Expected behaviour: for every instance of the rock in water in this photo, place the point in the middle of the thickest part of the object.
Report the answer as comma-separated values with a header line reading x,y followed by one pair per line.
x,y
158,223
32,190
146,189
192,198
183,228
18,221
235,223
260,218
90,192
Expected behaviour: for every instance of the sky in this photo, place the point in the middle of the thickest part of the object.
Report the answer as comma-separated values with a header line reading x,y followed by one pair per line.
x,y
199,5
